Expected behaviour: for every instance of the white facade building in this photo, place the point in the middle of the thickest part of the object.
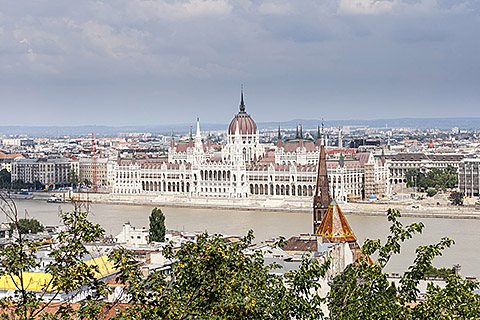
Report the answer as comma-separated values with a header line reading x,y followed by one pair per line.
x,y
244,168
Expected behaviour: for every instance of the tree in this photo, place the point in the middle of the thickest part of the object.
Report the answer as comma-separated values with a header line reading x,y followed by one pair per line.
x,y
74,178
5,179
439,179
213,278
431,192
157,226
26,226
69,272
216,279
456,198
362,290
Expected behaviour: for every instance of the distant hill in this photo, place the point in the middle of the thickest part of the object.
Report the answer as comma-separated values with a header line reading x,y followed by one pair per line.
x,y
422,123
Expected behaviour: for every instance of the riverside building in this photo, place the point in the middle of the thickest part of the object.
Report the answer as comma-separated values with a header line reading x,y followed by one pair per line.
x,y
245,168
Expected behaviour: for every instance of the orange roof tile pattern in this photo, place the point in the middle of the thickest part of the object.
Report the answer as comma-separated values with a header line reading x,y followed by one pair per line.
x,y
334,225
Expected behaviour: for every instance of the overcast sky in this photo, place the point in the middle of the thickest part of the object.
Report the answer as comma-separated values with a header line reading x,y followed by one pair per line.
x,y
134,62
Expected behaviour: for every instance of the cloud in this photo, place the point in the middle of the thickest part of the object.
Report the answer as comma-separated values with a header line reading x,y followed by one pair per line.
x,y
114,43
149,9
367,6
276,8
326,54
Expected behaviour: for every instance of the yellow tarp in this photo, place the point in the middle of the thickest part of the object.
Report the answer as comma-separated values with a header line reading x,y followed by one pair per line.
x,y
37,281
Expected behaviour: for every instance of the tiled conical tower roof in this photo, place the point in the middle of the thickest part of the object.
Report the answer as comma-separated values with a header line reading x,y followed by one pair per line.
x,y
334,225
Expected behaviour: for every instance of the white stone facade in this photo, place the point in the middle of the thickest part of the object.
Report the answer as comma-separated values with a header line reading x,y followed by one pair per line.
x,y
243,168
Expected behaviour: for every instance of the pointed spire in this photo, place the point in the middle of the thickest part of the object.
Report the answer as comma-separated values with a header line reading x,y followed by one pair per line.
x,y
322,197
319,137
341,161
340,141
322,135
198,127
209,140
242,102
279,139
334,225
198,137
172,141
301,136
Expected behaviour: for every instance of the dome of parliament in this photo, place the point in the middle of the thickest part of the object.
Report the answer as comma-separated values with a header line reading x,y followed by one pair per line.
x,y
245,122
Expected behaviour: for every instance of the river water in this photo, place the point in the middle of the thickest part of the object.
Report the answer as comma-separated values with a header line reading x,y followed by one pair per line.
x,y
465,232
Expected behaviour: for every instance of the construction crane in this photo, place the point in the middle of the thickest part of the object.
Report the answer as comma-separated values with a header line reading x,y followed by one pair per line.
x,y
94,164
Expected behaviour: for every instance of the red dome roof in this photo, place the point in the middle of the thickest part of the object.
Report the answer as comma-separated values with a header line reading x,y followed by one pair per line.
x,y
245,122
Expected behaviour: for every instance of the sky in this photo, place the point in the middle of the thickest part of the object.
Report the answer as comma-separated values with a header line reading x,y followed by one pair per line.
x,y
157,62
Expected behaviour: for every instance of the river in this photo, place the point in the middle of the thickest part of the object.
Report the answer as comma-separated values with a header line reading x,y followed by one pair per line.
x,y
466,233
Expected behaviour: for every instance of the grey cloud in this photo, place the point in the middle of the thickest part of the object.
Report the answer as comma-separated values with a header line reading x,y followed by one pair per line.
x,y
175,59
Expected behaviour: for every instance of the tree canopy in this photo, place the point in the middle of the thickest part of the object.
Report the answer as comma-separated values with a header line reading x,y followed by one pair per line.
x,y
26,226
439,179
157,226
216,278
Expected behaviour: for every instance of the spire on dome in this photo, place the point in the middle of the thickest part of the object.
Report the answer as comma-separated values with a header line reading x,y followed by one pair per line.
x,y
242,103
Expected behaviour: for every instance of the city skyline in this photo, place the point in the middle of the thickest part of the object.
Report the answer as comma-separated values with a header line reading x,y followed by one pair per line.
x,y
157,62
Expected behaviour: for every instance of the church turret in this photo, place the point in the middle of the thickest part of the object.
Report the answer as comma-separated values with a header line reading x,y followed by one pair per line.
x,y
190,139
301,136
279,139
319,137
172,141
198,137
322,197
209,141
334,226
340,142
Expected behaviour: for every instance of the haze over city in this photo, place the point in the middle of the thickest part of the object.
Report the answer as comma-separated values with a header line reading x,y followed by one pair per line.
x,y
158,62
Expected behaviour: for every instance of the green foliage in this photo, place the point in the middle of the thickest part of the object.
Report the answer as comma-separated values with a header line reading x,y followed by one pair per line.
x,y
363,291
439,179
431,192
456,198
456,301
440,272
215,279
5,179
157,226
25,226
74,178
68,270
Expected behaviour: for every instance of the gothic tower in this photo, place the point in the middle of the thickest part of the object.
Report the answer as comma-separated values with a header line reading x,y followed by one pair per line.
x,y
322,197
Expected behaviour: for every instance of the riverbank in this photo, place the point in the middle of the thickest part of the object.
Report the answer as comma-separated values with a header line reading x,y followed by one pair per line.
x,y
411,208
